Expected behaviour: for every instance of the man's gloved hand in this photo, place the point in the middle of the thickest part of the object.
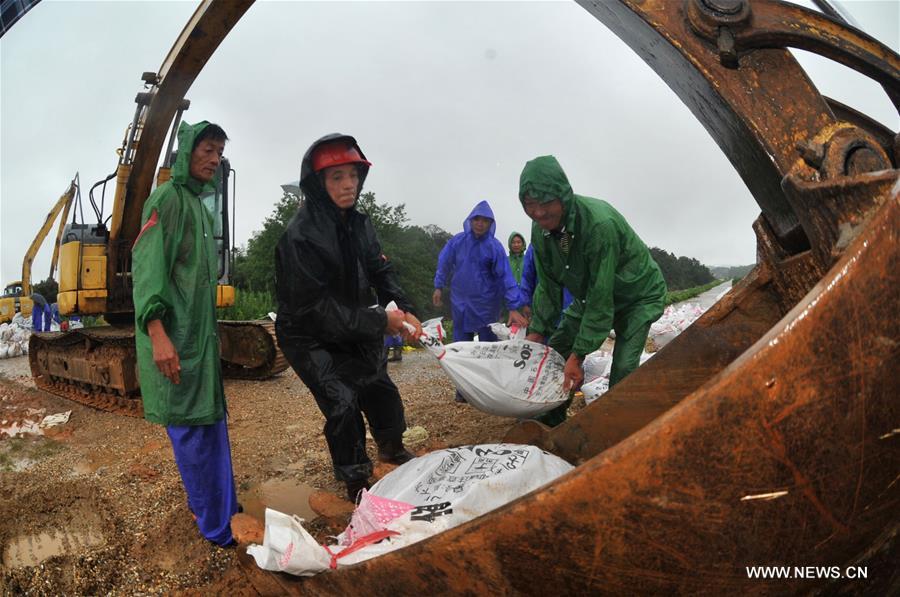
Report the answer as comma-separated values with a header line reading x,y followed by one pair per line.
x,y
573,373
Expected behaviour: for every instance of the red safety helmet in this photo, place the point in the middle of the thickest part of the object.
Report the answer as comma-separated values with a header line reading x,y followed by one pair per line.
x,y
336,153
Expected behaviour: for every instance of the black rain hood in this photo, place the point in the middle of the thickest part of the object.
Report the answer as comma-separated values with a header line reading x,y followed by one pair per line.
x,y
311,182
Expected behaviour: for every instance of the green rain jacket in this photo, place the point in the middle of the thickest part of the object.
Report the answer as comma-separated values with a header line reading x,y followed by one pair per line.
x,y
608,269
516,262
175,272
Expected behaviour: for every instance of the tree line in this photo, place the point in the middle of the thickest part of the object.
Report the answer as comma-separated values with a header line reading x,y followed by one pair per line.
x,y
681,272
413,250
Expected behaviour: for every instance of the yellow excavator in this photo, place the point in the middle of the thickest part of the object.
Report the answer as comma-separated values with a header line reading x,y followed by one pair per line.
x,y
96,365
17,295
14,301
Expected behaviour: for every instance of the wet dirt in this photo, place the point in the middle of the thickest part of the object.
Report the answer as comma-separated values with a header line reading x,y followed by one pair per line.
x,y
106,491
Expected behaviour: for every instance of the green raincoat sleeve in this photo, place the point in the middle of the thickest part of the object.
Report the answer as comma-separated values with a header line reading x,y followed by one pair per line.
x,y
587,322
154,254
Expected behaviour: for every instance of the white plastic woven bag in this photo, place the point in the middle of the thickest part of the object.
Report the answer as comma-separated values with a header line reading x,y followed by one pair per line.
x,y
288,547
510,378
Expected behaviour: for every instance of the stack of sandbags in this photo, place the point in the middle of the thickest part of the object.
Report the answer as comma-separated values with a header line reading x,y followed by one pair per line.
x,y
14,337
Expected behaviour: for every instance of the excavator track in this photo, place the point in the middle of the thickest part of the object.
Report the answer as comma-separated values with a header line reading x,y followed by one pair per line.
x,y
97,366
249,349
91,366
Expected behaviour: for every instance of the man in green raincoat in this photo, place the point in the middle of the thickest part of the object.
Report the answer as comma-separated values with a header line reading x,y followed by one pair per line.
x,y
516,246
584,245
175,272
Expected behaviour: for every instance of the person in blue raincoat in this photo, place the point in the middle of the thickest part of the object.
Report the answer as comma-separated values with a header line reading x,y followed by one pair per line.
x,y
476,266
528,284
40,313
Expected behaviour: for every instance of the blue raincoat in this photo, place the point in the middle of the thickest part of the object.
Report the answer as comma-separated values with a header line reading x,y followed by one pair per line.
x,y
479,274
529,280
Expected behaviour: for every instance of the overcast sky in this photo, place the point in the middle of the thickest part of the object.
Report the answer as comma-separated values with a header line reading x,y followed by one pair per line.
x,y
447,99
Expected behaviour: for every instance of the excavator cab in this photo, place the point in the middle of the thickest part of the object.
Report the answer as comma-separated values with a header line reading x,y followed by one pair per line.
x,y
217,203
85,286
82,269
13,302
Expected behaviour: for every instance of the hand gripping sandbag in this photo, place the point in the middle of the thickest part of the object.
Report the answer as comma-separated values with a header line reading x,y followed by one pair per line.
x,y
510,378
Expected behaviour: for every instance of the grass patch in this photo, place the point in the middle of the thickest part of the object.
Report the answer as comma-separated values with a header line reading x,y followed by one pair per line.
x,y
248,305
676,296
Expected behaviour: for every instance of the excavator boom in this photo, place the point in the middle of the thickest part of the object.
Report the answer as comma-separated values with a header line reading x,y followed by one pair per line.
x,y
203,33
62,206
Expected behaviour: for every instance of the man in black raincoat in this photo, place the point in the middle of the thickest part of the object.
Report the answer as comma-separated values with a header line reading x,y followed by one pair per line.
x,y
330,323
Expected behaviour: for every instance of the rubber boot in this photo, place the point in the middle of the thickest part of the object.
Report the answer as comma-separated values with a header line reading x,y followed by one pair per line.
x,y
355,487
394,452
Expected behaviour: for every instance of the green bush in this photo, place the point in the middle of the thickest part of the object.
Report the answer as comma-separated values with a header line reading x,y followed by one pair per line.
x,y
92,321
249,304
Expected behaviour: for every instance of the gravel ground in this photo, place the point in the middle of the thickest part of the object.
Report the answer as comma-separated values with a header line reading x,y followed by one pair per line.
x,y
103,492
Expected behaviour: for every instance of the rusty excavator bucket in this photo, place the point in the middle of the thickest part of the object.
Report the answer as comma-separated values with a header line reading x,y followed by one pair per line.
x,y
766,433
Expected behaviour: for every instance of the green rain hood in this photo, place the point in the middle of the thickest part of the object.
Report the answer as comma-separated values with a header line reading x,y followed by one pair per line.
x,y
175,272
516,262
608,269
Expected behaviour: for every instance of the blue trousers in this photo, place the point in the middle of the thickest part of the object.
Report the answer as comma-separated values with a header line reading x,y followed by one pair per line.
x,y
484,335
203,456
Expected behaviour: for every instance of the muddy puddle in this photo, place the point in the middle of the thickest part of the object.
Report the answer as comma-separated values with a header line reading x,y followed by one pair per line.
x,y
31,550
285,495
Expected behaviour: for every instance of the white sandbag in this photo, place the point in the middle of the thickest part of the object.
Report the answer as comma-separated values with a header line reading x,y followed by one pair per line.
x,y
597,364
6,331
596,387
417,500
504,332
674,320
510,378
288,547
449,487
